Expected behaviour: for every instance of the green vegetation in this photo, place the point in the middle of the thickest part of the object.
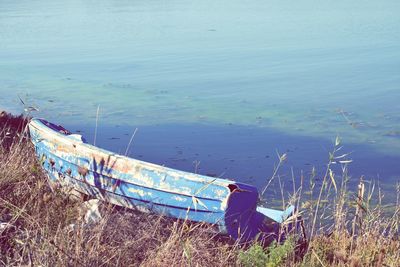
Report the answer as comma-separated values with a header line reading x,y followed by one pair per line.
x,y
275,255
44,225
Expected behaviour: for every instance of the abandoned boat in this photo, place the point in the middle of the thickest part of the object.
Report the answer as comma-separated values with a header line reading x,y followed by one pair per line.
x,y
127,182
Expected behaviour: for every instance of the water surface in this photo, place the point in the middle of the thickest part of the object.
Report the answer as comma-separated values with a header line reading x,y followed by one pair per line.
x,y
224,83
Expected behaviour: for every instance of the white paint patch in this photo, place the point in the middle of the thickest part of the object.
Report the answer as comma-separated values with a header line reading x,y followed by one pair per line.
x,y
224,203
180,199
220,192
137,191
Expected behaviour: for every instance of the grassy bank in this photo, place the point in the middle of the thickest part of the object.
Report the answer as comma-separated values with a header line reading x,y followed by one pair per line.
x,y
43,225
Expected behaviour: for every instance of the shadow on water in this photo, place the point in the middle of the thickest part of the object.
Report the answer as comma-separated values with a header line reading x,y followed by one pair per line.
x,y
246,154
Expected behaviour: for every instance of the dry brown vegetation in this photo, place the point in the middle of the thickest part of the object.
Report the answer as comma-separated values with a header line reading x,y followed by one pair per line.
x,y
43,225
10,128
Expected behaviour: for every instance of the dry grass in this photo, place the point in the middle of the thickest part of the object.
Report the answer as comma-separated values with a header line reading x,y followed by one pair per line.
x,y
348,228
37,227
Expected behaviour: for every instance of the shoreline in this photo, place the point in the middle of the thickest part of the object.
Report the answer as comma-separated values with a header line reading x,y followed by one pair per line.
x,y
244,154
247,169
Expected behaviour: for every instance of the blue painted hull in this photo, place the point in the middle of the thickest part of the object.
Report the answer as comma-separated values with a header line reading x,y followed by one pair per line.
x,y
132,183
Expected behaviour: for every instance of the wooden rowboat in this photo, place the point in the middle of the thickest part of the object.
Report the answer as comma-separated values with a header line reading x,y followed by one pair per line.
x,y
131,183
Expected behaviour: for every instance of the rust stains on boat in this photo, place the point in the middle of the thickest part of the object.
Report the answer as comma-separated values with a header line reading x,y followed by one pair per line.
x,y
52,162
83,171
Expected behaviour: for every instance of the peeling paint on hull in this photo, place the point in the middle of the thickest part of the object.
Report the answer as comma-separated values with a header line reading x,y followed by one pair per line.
x,y
132,183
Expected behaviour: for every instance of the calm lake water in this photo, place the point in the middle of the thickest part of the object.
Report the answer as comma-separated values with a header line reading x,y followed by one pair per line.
x,y
224,83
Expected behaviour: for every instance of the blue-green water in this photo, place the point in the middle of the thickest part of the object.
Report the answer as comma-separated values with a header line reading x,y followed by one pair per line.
x,y
226,83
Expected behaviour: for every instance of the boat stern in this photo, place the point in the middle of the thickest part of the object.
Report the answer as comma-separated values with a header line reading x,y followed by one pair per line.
x,y
245,221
